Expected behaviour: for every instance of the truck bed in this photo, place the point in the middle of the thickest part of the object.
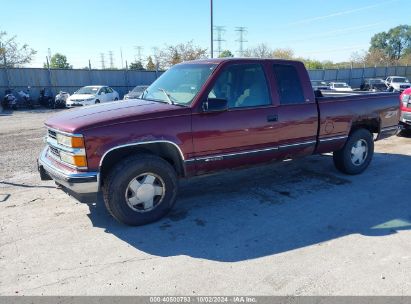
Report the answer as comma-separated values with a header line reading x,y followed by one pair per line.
x,y
339,112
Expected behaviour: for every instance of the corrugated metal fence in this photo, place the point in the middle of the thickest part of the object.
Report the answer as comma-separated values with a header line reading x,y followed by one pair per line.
x,y
124,80
71,80
355,76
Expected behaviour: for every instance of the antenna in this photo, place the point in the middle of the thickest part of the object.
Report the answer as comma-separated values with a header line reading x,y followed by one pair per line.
x,y
241,31
220,31
102,60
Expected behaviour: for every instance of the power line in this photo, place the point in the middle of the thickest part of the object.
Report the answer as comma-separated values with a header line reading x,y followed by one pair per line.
x,y
241,31
220,31
138,49
110,55
102,60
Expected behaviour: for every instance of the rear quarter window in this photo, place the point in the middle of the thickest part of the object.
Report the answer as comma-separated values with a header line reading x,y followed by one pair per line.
x,y
289,86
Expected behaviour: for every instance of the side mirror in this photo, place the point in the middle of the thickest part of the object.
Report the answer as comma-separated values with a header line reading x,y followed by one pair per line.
x,y
215,105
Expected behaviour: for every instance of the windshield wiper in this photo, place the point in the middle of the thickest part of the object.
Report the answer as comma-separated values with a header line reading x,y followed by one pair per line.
x,y
142,95
170,100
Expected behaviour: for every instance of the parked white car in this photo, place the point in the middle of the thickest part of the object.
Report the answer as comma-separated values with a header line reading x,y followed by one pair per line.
x,y
397,83
91,95
340,87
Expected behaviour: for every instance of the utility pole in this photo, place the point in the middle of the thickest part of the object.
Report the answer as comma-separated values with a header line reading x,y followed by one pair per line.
x,y
49,54
241,31
121,55
110,55
220,30
3,51
138,49
102,60
211,29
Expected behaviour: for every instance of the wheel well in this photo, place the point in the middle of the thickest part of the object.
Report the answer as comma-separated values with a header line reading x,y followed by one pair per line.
x,y
166,151
372,125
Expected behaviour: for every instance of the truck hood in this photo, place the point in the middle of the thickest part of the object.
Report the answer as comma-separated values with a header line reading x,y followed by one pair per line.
x,y
80,119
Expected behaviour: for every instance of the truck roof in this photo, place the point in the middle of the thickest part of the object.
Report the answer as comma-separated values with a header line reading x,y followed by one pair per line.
x,y
237,59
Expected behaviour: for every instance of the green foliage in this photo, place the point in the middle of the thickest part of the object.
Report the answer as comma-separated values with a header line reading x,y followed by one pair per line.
x,y
137,65
395,43
226,54
59,61
14,54
150,64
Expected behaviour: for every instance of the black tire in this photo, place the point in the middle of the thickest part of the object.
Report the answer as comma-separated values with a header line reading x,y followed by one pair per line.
x,y
115,99
117,182
97,101
343,158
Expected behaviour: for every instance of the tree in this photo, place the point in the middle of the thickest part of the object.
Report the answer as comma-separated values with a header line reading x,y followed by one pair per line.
x,y
137,65
262,50
226,54
173,54
395,43
150,64
59,61
285,53
12,52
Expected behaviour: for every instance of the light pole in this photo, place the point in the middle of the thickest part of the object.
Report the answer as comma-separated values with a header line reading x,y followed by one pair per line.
x,y
211,29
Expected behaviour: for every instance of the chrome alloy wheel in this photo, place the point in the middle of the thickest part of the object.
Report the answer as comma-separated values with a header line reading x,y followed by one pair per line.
x,y
359,152
145,192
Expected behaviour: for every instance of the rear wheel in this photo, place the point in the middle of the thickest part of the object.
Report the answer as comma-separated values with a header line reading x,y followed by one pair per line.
x,y
97,101
140,189
356,154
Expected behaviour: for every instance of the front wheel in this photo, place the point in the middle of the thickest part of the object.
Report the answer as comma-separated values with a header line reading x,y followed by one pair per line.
x,y
140,189
356,154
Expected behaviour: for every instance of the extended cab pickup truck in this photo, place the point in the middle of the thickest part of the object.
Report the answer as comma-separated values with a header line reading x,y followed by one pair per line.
x,y
204,116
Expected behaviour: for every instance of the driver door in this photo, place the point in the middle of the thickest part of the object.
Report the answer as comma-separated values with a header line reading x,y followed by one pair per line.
x,y
225,139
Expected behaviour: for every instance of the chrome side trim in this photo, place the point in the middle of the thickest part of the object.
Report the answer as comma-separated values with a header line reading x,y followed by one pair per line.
x,y
217,157
141,143
333,138
221,156
305,143
387,129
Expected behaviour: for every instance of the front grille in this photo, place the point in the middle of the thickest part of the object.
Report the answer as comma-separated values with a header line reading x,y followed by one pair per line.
x,y
52,134
404,86
54,151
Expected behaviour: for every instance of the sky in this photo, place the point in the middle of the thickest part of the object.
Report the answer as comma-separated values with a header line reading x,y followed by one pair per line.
x,y
83,29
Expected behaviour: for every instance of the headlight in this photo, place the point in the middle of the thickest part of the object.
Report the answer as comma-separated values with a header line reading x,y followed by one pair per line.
x,y
70,141
75,160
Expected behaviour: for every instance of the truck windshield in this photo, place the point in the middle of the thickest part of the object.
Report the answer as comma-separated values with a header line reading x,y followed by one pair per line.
x,y
180,84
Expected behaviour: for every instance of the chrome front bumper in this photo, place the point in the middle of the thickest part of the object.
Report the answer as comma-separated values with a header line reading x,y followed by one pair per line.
x,y
78,182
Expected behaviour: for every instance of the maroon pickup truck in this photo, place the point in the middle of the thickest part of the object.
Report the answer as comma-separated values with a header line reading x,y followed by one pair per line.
x,y
204,116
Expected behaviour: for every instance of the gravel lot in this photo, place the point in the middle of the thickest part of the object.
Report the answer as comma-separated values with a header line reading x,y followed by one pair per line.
x,y
297,228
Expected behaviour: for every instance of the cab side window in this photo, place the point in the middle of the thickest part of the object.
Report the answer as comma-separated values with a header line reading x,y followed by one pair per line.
x,y
289,85
242,85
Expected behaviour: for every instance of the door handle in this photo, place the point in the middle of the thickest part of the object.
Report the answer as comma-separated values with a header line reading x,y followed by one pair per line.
x,y
271,118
